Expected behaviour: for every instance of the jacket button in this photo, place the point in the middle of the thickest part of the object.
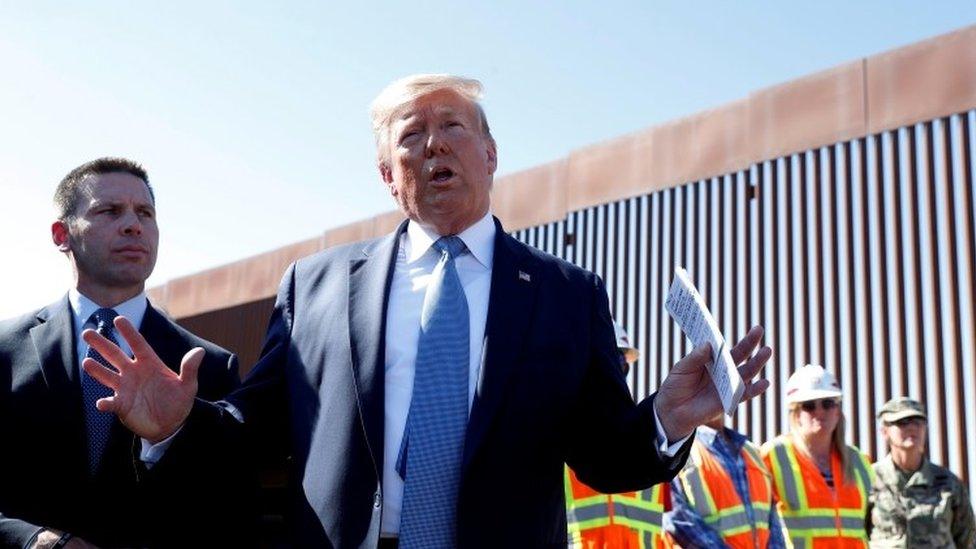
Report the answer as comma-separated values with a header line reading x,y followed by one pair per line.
x,y
377,500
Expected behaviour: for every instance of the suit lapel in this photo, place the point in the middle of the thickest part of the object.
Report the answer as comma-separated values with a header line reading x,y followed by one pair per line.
x,y
54,340
369,288
514,280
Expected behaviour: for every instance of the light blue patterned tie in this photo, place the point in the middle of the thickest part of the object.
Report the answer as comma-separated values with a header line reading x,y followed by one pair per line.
x,y
98,424
430,456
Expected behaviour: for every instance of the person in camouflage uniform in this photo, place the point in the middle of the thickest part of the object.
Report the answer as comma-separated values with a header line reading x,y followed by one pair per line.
x,y
916,503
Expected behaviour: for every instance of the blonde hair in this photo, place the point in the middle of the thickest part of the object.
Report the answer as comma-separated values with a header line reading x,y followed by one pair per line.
x,y
837,441
395,96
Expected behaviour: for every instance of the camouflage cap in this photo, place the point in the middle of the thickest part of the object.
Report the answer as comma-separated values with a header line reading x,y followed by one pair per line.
x,y
901,408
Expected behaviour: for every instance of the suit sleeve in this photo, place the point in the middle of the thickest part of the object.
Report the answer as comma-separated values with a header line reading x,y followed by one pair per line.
x,y
257,411
224,445
16,533
613,446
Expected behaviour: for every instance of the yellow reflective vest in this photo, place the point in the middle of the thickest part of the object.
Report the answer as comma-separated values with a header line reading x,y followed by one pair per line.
x,y
631,520
814,515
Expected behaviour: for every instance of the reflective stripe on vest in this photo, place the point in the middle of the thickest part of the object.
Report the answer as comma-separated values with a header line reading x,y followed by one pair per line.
x,y
706,481
810,510
591,515
585,508
642,511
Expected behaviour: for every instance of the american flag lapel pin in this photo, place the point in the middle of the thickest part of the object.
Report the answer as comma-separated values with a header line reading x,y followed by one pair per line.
x,y
524,276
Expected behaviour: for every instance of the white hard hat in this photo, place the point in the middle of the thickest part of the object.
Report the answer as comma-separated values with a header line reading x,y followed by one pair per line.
x,y
631,354
811,382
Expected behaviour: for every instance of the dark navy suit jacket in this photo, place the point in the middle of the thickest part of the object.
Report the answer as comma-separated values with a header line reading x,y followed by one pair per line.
x,y
44,479
550,393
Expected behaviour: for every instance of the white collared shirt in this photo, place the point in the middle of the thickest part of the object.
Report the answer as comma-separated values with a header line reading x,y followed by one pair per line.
x,y
82,307
412,273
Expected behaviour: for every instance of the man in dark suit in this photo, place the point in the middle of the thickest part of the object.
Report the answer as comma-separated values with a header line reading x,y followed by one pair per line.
x,y
66,469
430,385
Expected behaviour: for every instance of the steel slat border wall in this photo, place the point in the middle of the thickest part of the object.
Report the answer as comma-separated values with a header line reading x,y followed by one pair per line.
x,y
859,255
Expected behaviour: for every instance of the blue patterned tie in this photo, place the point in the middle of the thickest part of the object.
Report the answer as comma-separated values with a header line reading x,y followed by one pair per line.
x,y
430,456
98,424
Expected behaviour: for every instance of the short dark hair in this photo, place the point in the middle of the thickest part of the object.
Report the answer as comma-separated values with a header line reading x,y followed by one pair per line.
x,y
66,196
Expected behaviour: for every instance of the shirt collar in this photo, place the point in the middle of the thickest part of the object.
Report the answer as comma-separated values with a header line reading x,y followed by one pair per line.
x,y
708,436
479,238
924,476
133,309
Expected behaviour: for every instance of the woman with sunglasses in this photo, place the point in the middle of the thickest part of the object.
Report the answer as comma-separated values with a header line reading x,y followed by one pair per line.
x,y
916,503
821,483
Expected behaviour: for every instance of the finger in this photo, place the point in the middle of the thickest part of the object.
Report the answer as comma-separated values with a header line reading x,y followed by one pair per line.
x,y
109,351
190,366
747,344
140,348
758,361
107,404
101,374
755,389
697,359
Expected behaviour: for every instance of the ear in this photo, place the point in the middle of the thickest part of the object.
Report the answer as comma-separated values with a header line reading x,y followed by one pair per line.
x,y
492,157
386,174
59,235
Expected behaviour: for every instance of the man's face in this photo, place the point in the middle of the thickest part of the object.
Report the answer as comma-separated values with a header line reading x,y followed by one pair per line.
x,y
113,237
906,434
441,163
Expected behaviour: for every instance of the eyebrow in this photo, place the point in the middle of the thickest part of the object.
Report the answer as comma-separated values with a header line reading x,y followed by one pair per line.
x,y
438,110
112,202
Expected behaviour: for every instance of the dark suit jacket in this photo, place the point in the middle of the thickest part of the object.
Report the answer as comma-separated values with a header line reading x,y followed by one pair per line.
x,y
550,392
44,479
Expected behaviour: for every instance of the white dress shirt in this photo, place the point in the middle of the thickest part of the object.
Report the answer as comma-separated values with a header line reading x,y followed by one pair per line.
x,y
416,259
134,310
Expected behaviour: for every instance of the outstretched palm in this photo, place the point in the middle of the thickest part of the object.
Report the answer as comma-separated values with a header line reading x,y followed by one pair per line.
x,y
151,400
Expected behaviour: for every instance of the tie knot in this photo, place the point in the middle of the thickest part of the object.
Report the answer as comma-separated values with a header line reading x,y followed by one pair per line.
x,y
103,318
453,245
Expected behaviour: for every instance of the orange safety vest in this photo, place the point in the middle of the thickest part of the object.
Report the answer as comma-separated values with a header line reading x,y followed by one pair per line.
x,y
815,516
631,520
711,492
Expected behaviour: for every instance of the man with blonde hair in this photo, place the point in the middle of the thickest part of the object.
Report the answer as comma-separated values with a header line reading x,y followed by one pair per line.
x,y
429,385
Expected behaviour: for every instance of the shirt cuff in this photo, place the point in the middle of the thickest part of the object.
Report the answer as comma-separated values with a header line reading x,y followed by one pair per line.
x,y
662,439
151,453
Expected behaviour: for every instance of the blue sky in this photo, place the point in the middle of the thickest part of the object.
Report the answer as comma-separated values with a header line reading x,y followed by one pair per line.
x,y
252,118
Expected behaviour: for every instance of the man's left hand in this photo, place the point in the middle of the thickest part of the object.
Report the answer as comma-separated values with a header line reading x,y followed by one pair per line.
x,y
687,398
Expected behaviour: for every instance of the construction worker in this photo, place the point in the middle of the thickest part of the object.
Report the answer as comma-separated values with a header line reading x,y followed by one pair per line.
x,y
820,483
916,503
723,496
610,521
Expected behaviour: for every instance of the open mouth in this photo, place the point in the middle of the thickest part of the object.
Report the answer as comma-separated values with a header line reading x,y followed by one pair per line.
x,y
442,174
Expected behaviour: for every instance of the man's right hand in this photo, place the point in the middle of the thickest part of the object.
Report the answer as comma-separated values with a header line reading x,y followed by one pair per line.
x,y
150,399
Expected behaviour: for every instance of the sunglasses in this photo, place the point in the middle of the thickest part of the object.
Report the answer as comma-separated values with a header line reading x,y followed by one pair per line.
x,y
827,404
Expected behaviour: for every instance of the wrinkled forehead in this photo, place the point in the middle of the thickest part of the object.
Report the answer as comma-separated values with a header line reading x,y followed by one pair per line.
x,y
435,104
